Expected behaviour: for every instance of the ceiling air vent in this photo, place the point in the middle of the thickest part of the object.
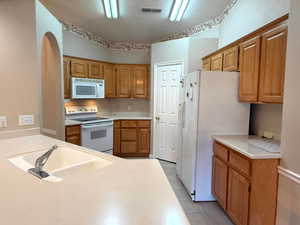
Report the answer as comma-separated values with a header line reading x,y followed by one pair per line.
x,y
150,10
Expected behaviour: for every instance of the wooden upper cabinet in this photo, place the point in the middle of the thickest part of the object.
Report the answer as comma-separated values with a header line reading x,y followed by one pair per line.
x,y
110,81
273,57
140,81
206,64
219,182
79,68
231,59
96,70
124,81
67,78
238,198
217,62
249,70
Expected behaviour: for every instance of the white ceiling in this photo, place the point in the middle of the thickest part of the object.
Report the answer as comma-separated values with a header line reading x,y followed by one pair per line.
x,y
133,24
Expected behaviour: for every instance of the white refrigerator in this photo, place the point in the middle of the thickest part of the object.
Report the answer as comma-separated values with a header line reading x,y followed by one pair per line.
x,y
209,106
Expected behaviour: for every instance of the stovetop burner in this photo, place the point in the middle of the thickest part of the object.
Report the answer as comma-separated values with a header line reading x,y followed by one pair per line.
x,y
90,119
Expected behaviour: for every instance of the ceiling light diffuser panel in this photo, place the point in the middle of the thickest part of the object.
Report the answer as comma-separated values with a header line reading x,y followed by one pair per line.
x,y
178,9
111,9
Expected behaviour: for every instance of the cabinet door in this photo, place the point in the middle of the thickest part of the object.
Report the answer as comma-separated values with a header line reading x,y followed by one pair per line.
x,y
144,140
117,141
123,81
217,62
219,181
110,81
238,197
140,81
273,65
249,70
128,147
231,59
206,64
79,68
96,70
67,78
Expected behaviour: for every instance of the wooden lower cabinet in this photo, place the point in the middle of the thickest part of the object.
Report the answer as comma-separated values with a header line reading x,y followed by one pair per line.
x,y
132,138
73,134
220,174
238,197
245,188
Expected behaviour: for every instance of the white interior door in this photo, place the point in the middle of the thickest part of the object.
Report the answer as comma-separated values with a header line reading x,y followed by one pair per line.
x,y
166,124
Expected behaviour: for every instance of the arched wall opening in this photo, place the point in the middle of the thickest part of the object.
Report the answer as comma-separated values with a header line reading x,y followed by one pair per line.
x,y
52,119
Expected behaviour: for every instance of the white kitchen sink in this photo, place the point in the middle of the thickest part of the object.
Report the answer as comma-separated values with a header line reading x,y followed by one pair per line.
x,y
61,159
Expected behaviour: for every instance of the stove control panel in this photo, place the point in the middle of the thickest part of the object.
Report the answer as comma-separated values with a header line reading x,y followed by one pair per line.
x,y
70,110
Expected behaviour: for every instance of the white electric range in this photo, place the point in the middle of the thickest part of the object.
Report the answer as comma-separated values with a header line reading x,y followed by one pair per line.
x,y
96,132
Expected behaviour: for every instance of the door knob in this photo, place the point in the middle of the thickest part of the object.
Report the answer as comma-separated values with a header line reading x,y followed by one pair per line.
x,y
157,118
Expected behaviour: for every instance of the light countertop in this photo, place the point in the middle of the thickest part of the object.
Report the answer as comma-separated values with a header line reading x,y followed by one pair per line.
x,y
251,146
126,192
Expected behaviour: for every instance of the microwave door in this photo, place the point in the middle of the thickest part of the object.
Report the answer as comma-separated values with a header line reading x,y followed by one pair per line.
x,y
100,90
84,91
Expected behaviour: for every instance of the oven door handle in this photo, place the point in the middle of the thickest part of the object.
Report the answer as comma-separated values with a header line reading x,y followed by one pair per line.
x,y
96,126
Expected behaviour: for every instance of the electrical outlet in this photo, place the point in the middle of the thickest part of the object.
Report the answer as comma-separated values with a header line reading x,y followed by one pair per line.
x,y
3,121
25,120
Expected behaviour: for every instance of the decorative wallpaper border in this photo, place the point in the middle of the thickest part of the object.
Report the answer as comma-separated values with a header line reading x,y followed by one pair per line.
x,y
131,45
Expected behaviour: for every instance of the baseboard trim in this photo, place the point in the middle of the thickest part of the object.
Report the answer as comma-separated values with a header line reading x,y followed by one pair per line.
x,y
289,174
19,133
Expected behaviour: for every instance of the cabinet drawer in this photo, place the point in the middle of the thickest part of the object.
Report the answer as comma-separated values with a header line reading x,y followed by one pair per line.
x,y
128,134
239,163
117,124
221,151
143,123
72,130
128,147
128,123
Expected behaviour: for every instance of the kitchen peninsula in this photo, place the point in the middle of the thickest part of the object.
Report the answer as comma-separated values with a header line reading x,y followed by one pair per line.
x,y
119,193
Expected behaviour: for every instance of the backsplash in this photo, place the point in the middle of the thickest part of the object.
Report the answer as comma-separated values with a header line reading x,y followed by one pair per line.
x,y
115,106
266,117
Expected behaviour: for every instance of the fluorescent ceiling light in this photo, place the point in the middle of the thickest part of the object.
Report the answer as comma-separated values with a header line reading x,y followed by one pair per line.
x,y
111,9
178,10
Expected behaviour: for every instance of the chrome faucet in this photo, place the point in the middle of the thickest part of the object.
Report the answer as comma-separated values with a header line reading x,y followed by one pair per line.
x,y
40,163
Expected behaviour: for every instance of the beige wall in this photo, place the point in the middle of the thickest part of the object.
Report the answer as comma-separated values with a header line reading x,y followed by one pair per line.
x,y
78,47
266,117
18,57
289,190
49,49
248,15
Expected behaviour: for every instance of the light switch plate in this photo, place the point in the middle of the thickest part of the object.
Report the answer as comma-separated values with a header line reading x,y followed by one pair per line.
x,y
25,120
3,121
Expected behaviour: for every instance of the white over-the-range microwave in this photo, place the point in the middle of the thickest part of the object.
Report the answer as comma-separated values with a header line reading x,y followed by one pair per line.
x,y
85,88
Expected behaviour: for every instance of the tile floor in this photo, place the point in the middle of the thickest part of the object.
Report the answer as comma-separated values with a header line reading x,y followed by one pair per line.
x,y
200,213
